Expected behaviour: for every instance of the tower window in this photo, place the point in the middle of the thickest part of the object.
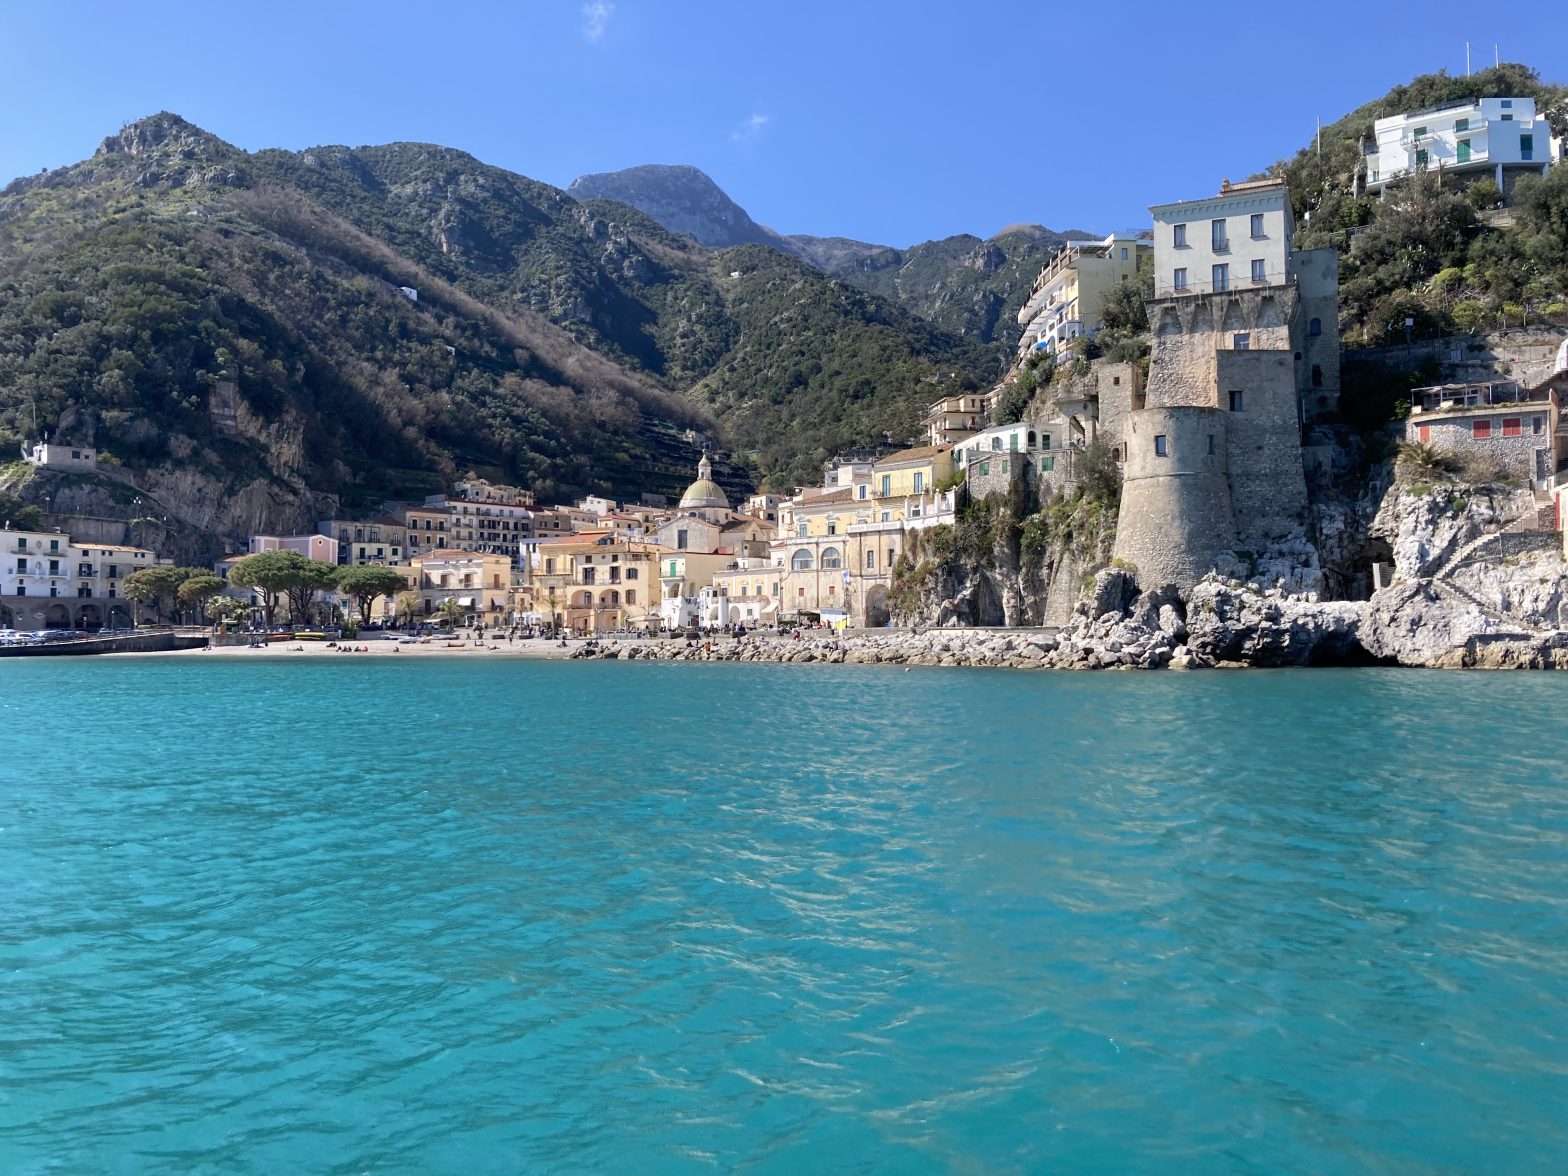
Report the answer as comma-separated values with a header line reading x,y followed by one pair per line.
x,y
1236,401
1160,447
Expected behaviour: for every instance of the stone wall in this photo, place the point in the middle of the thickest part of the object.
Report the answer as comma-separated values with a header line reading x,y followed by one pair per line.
x,y
1317,271
995,473
1176,511
1190,331
1452,434
1267,485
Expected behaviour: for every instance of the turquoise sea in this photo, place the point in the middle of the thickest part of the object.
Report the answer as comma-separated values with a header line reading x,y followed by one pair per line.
x,y
349,916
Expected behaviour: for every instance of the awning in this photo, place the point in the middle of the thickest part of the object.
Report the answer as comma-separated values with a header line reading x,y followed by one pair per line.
x,y
466,601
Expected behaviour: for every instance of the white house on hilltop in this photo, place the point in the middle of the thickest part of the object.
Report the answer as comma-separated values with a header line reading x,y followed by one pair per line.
x,y
1502,137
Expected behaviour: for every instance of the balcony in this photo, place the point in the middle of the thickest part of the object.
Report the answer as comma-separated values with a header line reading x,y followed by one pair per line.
x,y
1456,398
1232,285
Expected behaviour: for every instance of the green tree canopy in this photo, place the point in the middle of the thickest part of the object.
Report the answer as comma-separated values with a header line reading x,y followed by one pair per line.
x,y
152,585
364,584
197,590
275,573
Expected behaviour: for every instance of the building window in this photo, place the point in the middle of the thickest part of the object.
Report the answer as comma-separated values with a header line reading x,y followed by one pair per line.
x,y
1012,442
1526,147
832,589
1179,236
887,516
1317,376
1179,279
1511,427
1257,226
1236,401
1217,236
1507,118
1211,444
1258,274
920,482
1221,276
1047,464
1508,103
830,558
1480,430
1315,327
1424,434
801,561
1241,341
1462,125
800,592
996,445
871,558
832,526
985,469
1462,151
1160,448
1536,425
631,596
861,491
887,485
1421,157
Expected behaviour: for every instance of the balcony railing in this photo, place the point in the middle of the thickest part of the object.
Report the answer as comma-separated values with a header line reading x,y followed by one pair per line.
x,y
1235,283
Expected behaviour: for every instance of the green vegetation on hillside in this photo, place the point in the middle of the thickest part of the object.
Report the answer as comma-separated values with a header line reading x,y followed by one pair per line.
x,y
1426,252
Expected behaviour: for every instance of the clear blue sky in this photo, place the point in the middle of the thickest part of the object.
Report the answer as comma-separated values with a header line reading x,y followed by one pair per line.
x,y
892,123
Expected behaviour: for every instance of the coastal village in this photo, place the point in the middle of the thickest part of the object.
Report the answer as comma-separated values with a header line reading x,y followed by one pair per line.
x,y
1214,439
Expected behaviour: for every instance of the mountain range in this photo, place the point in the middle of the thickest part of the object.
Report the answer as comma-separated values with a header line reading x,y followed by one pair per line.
x,y
324,329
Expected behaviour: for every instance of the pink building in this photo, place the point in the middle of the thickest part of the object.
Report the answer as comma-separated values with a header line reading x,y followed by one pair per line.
x,y
322,547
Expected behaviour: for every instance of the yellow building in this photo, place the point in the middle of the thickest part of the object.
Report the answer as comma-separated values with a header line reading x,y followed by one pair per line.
x,y
904,484
1067,297
597,582
480,582
955,417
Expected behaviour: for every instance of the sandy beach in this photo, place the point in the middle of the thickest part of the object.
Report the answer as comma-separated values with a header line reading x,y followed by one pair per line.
x,y
536,649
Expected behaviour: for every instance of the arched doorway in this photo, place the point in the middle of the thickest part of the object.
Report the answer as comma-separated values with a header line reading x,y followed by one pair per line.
x,y
89,617
57,616
876,606
119,617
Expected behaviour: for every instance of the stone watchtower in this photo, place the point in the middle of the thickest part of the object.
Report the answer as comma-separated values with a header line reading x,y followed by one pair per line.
x,y
1212,445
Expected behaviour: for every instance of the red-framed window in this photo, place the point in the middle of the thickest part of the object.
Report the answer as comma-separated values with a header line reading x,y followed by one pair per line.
x,y
1481,430
1511,427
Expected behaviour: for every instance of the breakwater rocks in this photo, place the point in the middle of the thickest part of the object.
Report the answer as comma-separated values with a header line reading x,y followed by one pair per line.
x,y
1115,627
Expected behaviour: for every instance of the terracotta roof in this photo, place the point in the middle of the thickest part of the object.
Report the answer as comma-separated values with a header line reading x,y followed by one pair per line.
x,y
919,453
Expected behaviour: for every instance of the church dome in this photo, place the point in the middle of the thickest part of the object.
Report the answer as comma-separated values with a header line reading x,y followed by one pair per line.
x,y
704,492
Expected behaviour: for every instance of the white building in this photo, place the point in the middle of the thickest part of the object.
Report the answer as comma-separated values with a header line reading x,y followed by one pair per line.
x,y
76,586
61,457
1236,240
1502,137
1022,437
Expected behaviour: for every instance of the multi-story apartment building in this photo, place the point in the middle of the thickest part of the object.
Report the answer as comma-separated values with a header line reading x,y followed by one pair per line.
x,y
745,592
594,582
1502,138
682,578
382,541
480,582
428,528
1066,298
954,417
49,582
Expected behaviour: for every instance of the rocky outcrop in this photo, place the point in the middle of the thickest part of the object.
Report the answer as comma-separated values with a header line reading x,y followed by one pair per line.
x,y
683,199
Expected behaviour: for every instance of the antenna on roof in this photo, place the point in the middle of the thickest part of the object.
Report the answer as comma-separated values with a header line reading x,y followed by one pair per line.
x,y
1467,59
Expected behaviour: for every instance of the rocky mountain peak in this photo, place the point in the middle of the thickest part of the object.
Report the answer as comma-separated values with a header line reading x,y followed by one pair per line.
x,y
682,198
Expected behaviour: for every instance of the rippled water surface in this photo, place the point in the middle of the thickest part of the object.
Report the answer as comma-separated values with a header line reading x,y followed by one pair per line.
x,y
448,917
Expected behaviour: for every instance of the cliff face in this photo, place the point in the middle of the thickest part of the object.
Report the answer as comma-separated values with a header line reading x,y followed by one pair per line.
x,y
1004,563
